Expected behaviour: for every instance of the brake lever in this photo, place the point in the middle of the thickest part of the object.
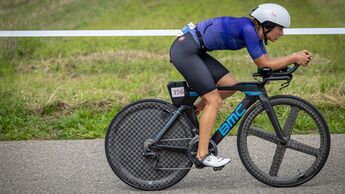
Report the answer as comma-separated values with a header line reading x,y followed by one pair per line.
x,y
286,84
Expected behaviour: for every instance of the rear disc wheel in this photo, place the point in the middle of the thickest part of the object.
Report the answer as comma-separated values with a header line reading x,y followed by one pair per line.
x,y
128,136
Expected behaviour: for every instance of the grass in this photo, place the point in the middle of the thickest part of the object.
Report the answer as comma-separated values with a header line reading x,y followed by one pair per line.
x,y
67,88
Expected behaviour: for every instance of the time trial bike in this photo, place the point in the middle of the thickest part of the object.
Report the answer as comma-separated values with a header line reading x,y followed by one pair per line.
x,y
151,144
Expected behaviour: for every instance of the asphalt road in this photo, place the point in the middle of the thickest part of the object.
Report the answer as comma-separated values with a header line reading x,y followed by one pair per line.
x,y
81,167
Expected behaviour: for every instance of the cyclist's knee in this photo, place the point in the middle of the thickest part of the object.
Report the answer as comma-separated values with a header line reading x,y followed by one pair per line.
x,y
213,99
218,101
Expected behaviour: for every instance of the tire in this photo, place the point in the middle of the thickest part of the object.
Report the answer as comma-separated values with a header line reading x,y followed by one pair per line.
x,y
284,165
124,145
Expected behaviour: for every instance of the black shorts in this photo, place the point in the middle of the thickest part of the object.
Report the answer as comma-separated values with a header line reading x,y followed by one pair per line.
x,y
200,70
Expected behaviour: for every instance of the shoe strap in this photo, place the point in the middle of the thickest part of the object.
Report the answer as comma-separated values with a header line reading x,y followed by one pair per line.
x,y
209,154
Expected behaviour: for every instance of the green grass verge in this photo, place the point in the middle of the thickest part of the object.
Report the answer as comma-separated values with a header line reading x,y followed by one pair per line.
x,y
68,88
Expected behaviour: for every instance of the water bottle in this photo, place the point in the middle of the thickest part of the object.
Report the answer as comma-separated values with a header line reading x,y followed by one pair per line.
x,y
190,26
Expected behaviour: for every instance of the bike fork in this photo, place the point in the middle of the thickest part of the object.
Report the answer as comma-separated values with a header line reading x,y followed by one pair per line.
x,y
273,118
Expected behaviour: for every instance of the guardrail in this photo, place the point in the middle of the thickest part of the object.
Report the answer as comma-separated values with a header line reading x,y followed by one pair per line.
x,y
86,33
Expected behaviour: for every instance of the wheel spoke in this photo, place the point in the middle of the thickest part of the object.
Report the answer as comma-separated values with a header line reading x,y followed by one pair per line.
x,y
290,121
301,147
277,160
263,134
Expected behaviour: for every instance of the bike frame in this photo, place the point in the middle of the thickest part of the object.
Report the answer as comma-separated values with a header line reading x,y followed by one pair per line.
x,y
253,91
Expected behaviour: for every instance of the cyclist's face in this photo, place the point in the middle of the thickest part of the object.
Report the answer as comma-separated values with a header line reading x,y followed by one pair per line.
x,y
276,32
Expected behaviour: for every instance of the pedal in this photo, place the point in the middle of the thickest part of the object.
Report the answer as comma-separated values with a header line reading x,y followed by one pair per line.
x,y
199,166
218,168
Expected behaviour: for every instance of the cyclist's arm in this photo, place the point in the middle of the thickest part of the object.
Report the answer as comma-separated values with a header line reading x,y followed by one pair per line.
x,y
274,63
257,51
302,58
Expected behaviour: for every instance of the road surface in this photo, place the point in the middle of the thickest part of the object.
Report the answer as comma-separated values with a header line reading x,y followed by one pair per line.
x,y
80,166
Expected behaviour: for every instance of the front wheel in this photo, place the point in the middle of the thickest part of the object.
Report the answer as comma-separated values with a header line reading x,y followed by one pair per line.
x,y
294,163
127,137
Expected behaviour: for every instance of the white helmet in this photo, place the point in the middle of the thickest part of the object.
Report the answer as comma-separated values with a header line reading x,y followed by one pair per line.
x,y
269,13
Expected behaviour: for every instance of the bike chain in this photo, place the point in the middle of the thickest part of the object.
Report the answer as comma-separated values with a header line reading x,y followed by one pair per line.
x,y
179,168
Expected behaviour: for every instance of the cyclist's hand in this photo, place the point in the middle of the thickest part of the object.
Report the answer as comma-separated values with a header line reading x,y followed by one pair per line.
x,y
303,57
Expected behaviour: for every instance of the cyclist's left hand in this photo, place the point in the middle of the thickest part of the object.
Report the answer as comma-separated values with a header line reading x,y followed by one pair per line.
x,y
310,56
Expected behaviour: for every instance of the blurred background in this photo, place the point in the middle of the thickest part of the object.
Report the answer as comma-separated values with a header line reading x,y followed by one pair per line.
x,y
70,88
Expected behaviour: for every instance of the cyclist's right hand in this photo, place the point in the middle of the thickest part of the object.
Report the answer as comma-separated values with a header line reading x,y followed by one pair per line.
x,y
303,57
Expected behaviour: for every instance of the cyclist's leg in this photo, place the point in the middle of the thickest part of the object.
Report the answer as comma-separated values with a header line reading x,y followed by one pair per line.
x,y
220,75
186,56
212,104
227,80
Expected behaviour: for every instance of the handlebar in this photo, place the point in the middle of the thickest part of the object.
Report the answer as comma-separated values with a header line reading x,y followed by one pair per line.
x,y
289,71
268,74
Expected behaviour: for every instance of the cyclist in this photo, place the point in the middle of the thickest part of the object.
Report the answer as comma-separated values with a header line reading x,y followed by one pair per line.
x,y
189,55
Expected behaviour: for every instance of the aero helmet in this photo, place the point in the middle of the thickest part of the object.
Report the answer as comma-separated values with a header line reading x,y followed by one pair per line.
x,y
269,13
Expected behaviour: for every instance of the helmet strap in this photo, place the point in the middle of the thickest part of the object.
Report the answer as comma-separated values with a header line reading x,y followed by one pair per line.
x,y
265,34
265,38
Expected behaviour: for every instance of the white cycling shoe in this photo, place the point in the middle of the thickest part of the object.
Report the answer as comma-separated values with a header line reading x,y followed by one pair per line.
x,y
211,160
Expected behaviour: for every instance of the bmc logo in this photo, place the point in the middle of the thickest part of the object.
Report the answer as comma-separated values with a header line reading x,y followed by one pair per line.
x,y
231,120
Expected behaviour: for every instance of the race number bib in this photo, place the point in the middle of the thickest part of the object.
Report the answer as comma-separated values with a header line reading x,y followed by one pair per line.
x,y
177,92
